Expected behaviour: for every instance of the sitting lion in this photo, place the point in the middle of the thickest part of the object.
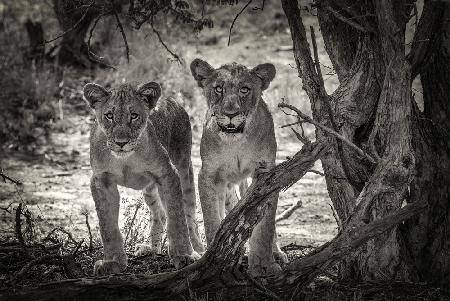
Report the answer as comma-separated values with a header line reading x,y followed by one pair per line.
x,y
238,136
140,144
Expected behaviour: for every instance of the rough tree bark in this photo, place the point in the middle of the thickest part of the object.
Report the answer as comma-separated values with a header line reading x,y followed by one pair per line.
x,y
428,235
373,109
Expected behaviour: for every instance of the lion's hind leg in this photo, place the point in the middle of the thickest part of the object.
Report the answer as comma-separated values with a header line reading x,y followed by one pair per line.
x,y
190,204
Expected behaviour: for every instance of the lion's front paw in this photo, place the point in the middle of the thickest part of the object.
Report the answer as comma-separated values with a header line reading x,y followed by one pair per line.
x,y
144,249
107,267
280,256
180,261
267,270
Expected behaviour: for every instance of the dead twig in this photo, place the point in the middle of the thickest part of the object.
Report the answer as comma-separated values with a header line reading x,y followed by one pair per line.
x,y
131,223
288,212
158,35
119,25
301,137
18,228
235,18
348,21
260,287
6,177
336,218
316,58
328,130
48,258
86,215
317,172
60,229
93,56
74,26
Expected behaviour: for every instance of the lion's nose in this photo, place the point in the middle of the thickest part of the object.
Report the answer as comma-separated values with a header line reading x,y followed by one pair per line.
x,y
121,142
231,115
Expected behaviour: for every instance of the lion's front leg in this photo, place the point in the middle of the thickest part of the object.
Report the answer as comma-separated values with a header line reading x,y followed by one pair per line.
x,y
212,199
261,260
180,248
107,201
263,243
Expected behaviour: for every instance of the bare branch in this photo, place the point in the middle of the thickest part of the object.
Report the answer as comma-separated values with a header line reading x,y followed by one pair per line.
x,y
130,226
235,18
348,21
18,228
53,258
124,36
86,215
175,56
328,130
317,172
316,56
336,218
74,26
288,212
6,177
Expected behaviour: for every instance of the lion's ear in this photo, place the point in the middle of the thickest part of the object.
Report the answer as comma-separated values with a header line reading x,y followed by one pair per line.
x,y
151,91
266,72
201,70
93,94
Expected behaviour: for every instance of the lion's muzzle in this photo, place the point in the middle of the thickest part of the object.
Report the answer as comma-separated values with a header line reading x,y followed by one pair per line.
x,y
231,123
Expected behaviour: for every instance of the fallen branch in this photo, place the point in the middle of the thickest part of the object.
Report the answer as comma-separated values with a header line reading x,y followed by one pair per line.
x,y
48,258
8,178
288,212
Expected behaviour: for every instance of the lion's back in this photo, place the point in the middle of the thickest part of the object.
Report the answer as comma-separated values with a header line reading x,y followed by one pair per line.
x,y
172,125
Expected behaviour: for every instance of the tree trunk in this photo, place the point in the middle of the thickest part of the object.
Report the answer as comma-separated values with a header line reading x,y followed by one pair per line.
x,y
35,34
428,235
372,108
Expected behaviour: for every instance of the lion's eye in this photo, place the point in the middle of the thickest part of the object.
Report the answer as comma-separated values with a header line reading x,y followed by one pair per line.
x,y
134,116
218,89
109,116
244,90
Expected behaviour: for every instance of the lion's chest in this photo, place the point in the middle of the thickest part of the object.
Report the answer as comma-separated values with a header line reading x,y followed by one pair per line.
x,y
129,174
236,166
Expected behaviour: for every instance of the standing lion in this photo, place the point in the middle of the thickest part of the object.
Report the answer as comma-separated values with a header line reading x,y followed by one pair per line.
x,y
238,136
145,144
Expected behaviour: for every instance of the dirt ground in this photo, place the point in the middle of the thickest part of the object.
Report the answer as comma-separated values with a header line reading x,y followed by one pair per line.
x,y
56,176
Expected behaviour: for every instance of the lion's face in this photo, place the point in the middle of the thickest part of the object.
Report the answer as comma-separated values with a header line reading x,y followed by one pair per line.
x,y
232,92
122,113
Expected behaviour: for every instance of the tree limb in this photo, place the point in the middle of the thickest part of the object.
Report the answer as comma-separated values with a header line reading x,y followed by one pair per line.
x,y
236,17
328,130
119,25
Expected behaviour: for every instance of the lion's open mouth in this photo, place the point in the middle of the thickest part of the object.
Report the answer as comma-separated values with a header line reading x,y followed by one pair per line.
x,y
122,153
231,128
